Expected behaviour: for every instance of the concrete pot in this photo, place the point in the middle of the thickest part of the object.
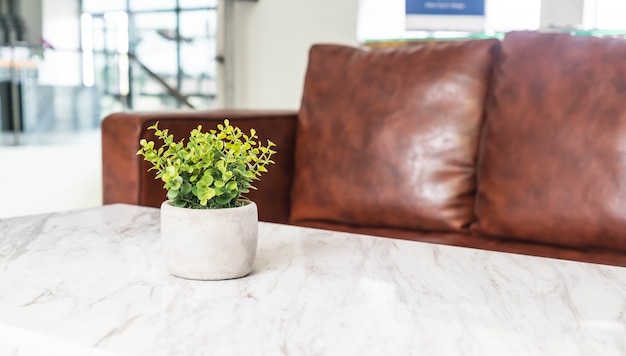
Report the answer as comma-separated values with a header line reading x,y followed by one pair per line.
x,y
209,244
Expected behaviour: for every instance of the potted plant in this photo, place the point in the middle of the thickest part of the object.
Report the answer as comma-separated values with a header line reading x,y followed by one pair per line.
x,y
209,230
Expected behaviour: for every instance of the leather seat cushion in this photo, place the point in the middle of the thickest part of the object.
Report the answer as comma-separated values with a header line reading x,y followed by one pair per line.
x,y
389,137
552,167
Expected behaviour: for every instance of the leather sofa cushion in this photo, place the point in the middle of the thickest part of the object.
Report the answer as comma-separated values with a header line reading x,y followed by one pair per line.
x,y
389,137
552,167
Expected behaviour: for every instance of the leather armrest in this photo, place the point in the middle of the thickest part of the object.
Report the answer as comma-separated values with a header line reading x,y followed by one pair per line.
x,y
126,178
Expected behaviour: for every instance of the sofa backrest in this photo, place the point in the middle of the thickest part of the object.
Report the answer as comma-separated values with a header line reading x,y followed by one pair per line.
x,y
389,138
523,139
552,163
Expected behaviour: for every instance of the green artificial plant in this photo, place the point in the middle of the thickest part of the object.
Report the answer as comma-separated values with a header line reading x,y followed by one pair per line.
x,y
212,170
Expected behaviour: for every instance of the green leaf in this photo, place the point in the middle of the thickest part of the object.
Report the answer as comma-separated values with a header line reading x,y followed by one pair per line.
x,y
179,203
210,193
207,178
186,188
176,183
223,199
231,185
172,194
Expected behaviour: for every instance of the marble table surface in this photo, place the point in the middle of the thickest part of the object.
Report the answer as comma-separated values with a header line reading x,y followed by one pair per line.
x,y
92,282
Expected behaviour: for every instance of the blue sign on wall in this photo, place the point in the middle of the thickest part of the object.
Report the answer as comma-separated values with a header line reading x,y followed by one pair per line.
x,y
446,7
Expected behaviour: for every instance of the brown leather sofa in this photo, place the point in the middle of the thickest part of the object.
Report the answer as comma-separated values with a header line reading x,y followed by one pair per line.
x,y
515,145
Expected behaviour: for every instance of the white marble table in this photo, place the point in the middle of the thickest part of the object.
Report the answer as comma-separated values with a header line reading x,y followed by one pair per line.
x,y
92,282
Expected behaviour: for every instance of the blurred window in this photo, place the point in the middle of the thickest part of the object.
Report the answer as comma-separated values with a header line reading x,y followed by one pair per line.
x,y
610,15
